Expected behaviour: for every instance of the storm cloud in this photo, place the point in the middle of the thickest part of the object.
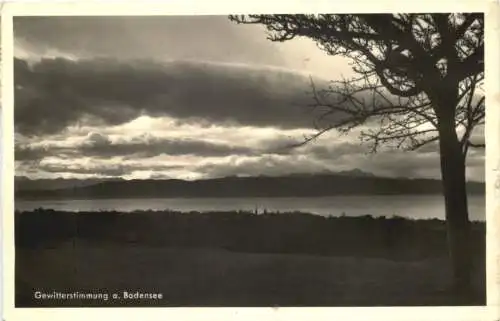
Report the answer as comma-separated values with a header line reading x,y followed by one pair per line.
x,y
98,145
136,37
111,169
206,38
55,93
147,145
182,97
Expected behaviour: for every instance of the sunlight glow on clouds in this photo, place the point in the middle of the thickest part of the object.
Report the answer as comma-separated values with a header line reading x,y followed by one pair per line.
x,y
95,97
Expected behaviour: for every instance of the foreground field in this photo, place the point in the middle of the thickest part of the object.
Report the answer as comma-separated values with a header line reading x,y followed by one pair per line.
x,y
238,260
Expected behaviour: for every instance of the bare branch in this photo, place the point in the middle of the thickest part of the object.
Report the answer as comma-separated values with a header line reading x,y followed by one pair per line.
x,y
424,142
476,145
408,66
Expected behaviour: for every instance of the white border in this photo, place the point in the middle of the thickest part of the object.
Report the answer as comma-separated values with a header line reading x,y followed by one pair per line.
x,y
191,7
492,166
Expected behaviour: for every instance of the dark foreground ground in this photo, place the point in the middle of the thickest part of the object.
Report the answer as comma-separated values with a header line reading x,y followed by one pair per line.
x,y
237,259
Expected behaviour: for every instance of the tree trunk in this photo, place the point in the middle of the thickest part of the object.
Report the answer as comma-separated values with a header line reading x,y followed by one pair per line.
x,y
455,197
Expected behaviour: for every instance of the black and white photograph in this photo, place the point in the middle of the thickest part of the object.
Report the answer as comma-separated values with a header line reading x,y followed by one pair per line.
x,y
250,160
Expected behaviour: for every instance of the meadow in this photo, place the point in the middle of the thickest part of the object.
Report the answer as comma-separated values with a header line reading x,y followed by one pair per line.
x,y
239,258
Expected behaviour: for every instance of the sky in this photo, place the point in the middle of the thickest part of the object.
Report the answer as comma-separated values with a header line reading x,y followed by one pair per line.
x,y
181,97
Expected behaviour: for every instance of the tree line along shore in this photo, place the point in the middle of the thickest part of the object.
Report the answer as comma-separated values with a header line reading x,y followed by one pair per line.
x,y
243,231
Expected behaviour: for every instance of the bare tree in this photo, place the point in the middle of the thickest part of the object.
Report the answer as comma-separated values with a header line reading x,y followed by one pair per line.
x,y
420,81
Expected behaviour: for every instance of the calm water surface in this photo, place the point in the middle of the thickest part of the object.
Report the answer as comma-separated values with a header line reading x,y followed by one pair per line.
x,y
410,206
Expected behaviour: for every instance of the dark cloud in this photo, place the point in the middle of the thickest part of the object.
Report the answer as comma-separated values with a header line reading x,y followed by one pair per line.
x,y
333,151
149,146
99,170
108,170
100,146
27,153
55,93
177,37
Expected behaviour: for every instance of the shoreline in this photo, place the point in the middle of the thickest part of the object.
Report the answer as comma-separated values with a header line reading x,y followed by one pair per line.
x,y
277,232
250,196
259,211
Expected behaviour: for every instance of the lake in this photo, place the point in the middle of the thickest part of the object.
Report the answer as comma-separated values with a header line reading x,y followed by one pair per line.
x,y
410,206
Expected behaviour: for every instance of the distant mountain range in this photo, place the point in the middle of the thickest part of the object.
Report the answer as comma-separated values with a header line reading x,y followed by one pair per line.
x,y
354,182
23,183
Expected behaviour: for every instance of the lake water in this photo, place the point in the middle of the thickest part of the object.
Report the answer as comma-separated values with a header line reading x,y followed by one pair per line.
x,y
410,206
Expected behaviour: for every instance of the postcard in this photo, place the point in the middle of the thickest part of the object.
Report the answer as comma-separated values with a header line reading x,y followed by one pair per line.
x,y
201,160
